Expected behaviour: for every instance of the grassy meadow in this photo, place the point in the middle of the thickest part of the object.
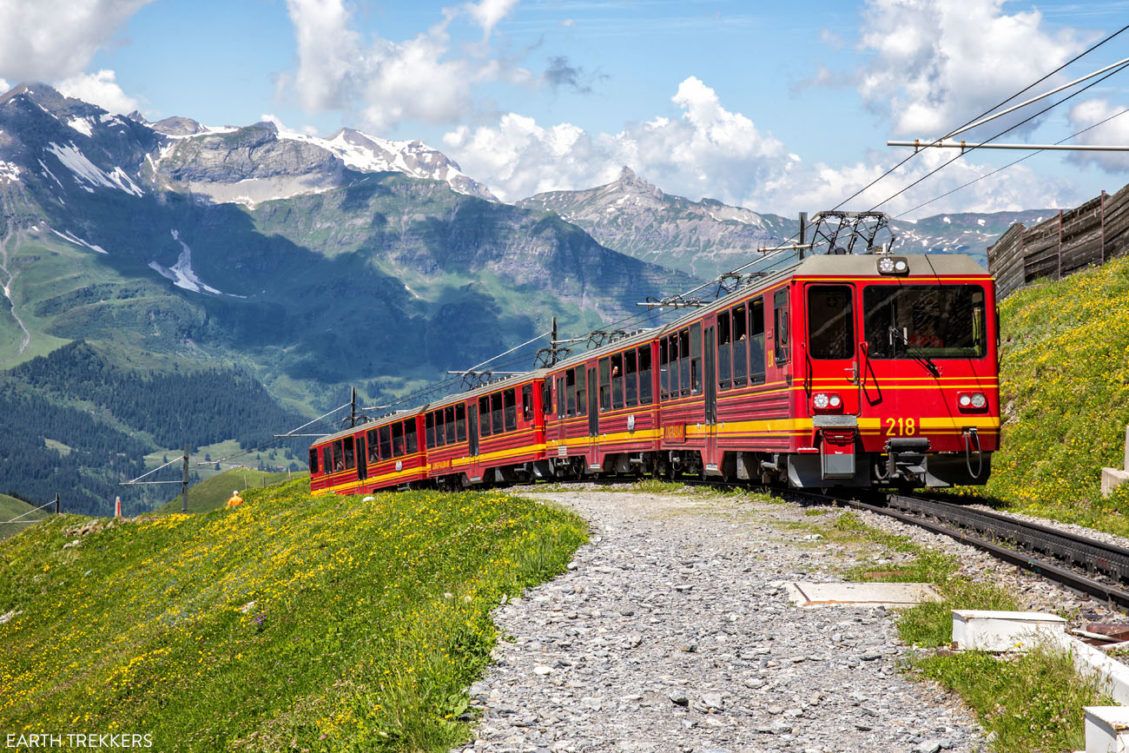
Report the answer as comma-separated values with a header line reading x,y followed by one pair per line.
x,y
293,622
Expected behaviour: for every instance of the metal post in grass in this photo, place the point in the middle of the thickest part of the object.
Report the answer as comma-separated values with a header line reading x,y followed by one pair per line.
x,y
184,483
58,505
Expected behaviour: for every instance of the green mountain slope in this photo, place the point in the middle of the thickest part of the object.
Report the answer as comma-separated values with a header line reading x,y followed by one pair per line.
x,y
213,493
292,622
1065,396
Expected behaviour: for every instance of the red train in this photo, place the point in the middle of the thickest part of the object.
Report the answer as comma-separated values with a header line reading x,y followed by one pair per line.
x,y
843,370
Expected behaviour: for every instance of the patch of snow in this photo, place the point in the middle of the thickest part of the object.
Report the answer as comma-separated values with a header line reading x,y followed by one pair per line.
x,y
980,223
9,172
181,273
69,236
82,125
47,172
946,220
90,176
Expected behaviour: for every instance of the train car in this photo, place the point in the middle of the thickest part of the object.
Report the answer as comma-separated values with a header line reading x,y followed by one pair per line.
x,y
845,370
601,412
381,454
494,434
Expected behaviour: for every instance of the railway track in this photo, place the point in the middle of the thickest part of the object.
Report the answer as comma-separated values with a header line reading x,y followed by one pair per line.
x,y
1078,562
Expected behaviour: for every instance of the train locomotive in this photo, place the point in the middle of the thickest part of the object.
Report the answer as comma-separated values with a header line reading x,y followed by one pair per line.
x,y
837,370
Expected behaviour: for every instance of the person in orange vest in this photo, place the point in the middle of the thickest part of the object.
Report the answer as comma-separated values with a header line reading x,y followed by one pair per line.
x,y
235,500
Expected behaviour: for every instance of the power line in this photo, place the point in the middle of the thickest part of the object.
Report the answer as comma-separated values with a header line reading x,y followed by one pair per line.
x,y
24,515
973,147
1010,164
972,120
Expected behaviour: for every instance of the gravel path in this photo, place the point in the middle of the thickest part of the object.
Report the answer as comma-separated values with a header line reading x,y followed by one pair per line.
x,y
672,632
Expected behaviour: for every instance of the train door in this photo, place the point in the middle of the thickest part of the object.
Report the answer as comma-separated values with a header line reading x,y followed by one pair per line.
x,y
711,377
472,428
593,404
362,459
832,375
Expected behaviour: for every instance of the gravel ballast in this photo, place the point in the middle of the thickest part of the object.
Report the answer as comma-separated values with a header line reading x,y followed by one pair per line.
x,y
672,632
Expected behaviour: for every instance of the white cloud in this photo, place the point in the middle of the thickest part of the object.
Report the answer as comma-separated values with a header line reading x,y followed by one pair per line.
x,y
100,88
487,13
937,63
389,82
1114,132
49,40
707,150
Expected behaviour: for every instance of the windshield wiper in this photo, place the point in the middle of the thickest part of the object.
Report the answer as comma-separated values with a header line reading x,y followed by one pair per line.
x,y
914,353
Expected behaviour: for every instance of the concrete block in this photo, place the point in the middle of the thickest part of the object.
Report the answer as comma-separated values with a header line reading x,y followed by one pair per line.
x,y
984,630
1111,479
1113,676
860,594
1107,729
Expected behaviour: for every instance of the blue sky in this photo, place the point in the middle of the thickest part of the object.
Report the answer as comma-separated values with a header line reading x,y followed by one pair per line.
x,y
777,106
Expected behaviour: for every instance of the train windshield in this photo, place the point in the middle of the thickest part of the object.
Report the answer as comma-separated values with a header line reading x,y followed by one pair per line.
x,y
925,321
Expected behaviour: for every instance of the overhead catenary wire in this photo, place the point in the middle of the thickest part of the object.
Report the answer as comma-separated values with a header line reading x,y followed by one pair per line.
x,y
998,105
18,518
923,204
150,473
973,147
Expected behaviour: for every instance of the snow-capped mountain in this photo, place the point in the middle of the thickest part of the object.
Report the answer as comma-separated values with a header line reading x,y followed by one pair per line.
x,y
261,162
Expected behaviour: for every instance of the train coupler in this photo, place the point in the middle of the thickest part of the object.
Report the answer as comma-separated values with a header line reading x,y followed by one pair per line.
x,y
907,458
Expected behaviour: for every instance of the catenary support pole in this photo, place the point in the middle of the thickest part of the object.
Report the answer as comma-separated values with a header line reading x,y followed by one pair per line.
x,y
184,483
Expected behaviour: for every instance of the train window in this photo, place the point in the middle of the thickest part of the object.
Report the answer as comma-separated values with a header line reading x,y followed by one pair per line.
x,y
327,459
695,358
373,453
410,436
581,391
561,399
723,338
385,442
397,439
350,455
684,362
831,321
313,461
664,371
428,429
617,380
925,321
449,423
569,399
460,422
631,379
756,341
527,402
547,397
484,416
496,413
780,326
740,337
645,375
605,385
509,401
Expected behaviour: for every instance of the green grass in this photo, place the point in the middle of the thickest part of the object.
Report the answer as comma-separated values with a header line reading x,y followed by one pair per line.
x,y
319,624
213,493
1065,397
1032,703
11,508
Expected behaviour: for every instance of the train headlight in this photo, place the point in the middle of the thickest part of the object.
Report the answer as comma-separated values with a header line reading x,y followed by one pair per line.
x,y
893,265
972,401
826,401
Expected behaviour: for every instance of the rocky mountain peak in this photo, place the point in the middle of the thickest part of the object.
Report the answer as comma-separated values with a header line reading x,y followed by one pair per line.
x,y
174,126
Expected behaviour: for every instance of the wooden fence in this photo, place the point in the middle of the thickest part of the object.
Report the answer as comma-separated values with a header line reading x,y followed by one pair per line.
x,y
1090,234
